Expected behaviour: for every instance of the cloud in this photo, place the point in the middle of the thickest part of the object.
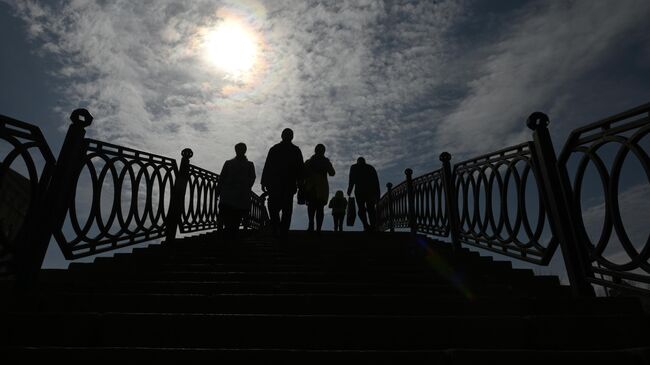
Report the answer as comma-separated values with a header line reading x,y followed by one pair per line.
x,y
395,81
355,75
531,66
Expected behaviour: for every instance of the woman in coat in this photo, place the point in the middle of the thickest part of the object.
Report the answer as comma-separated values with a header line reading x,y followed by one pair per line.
x,y
316,187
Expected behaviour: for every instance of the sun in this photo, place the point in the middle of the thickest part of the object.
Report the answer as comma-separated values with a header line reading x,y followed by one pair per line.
x,y
231,47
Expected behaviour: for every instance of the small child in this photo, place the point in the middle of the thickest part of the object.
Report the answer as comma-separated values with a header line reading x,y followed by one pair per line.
x,y
338,204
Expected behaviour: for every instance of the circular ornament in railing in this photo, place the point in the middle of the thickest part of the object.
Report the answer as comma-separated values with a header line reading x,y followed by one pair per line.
x,y
536,120
445,156
82,117
187,153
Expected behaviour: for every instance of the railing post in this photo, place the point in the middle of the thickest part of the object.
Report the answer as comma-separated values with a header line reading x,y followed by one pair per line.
x,y
411,200
391,223
451,200
58,197
177,200
556,189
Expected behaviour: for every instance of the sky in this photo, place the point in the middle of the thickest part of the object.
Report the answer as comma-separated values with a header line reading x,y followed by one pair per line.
x,y
397,82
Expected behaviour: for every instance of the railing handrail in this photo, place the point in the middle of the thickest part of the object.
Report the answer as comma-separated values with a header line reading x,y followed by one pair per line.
x,y
564,215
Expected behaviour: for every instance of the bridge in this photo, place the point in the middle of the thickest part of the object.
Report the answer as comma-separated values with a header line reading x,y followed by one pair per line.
x,y
417,290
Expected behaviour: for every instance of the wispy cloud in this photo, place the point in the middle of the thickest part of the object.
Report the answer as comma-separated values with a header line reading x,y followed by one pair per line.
x,y
353,75
396,81
531,66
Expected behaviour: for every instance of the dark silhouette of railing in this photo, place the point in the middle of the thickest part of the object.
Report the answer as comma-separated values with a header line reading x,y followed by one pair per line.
x,y
26,143
137,196
472,203
625,130
479,180
134,196
135,183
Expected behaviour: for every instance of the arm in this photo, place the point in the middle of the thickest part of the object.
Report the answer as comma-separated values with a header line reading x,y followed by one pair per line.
x,y
301,167
330,169
351,181
266,171
222,176
376,183
251,175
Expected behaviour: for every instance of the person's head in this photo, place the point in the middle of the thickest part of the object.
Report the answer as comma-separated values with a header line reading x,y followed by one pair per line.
x,y
320,150
361,161
287,135
240,149
339,193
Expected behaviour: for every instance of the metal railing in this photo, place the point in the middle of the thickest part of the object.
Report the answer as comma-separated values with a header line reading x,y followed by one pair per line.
x,y
22,194
98,197
484,202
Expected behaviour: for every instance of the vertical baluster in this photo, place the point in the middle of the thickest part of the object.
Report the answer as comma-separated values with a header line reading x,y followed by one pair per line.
x,y
451,200
410,200
556,192
58,198
391,224
177,201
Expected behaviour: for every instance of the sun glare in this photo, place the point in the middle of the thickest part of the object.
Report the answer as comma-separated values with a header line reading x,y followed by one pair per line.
x,y
232,48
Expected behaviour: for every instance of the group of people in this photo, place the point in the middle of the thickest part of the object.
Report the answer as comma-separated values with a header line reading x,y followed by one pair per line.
x,y
285,173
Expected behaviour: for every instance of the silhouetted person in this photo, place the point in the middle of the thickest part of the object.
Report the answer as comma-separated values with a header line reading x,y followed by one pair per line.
x,y
316,187
338,204
235,183
282,171
364,180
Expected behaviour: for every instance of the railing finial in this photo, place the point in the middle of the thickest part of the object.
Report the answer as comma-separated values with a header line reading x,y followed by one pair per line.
x,y
82,117
187,153
536,120
445,156
389,186
408,172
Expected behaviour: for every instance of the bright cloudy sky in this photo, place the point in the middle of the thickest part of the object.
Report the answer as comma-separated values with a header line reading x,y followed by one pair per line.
x,y
395,81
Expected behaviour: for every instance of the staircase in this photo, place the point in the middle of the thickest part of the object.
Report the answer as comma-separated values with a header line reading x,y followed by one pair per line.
x,y
380,298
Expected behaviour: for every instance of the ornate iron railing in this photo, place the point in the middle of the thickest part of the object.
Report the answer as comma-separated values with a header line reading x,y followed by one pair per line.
x,y
99,197
588,145
128,204
399,203
486,202
258,216
430,211
25,171
493,218
201,201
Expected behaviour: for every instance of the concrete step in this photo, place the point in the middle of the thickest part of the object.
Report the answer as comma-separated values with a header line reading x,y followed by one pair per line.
x,y
632,356
431,304
324,332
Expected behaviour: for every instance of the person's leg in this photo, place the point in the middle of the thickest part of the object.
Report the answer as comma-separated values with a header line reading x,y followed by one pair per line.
x,y
287,210
335,222
338,222
238,216
320,215
227,214
274,213
372,214
311,212
361,204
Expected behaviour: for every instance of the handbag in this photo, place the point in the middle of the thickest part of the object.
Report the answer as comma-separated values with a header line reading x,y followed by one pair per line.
x,y
352,212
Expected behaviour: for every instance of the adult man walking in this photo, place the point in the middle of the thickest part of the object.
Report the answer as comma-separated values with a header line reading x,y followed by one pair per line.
x,y
235,183
283,170
364,180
